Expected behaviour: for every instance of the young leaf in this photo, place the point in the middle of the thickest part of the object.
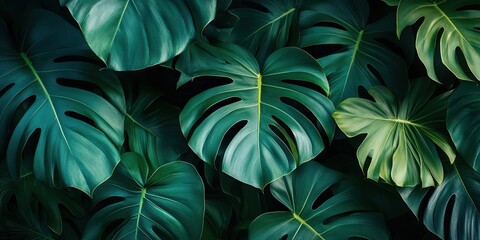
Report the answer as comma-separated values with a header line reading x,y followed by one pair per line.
x,y
168,203
265,99
401,137
452,210
458,30
463,116
341,216
131,35
49,88
363,53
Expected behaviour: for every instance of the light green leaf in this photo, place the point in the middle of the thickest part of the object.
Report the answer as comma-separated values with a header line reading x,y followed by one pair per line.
x,y
152,125
131,35
451,210
166,204
457,29
363,53
401,136
342,216
52,96
266,99
463,115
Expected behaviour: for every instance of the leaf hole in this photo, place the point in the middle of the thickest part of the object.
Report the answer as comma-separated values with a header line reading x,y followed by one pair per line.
x,y
111,228
229,135
200,84
81,117
284,127
324,196
74,58
284,237
255,5
323,50
424,204
363,93
160,234
305,84
106,202
376,74
84,85
391,46
331,25
469,7
341,215
448,216
19,113
463,63
28,152
211,110
5,89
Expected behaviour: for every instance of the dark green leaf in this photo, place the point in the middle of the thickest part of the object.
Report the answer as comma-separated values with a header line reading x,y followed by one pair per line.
x,y
257,155
342,216
166,204
50,89
451,210
130,35
401,136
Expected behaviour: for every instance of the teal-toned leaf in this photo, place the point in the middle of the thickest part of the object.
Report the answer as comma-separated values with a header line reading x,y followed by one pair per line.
x,y
392,2
131,35
451,210
457,30
152,125
401,136
463,115
53,96
265,99
218,214
264,32
363,53
342,216
166,204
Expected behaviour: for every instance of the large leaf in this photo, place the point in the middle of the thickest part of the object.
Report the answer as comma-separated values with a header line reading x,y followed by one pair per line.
x,y
266,99
463,116
129,35
363,53
264,32
166,204
342,216
152,125
51,95
401,136
456,28
451,210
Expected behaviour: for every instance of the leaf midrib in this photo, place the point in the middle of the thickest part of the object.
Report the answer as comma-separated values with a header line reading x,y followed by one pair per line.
x,y
116,29
47,95
291,10
303,222
352,60
139,212
140,125
435,5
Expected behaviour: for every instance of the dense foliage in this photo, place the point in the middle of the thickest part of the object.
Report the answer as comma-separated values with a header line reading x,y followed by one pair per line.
x,y
236,119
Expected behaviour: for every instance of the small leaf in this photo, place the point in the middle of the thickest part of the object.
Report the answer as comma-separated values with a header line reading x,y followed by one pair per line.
x,y
341,216
168,203
401,136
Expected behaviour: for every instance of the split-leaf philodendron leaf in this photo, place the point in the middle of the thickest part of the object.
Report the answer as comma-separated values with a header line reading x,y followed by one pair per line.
x,y
463,116
457,30
401,136
131,35
48,87
363,53
342,216
163,203
276,136
451,210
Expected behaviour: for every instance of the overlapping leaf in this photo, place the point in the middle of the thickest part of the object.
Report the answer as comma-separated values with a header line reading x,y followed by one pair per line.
x,y
52,96
342,216
457,29
363,53
129,34
451,210
401,136
463,116
152,125
166,204
266,100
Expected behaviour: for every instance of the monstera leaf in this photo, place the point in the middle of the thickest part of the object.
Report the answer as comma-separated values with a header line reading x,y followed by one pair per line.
x,y
264,32
401,136
451,210
130,35
37,211
168,203
458,29
342,216
152,125
275,135
51,95
363,54
462,118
